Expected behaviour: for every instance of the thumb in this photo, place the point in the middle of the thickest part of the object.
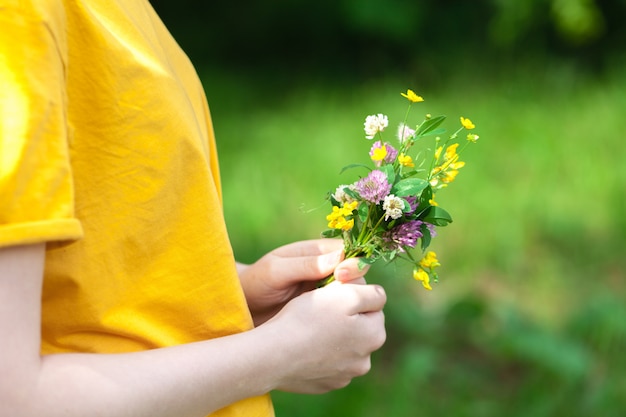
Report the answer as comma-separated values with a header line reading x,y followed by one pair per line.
x,y
306,267
350,270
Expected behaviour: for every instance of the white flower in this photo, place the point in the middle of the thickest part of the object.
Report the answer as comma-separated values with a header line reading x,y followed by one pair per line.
x,y
393,207
404,133
340,195
374,124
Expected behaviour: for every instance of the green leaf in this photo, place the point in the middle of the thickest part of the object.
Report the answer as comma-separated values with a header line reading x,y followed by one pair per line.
x,y
351,193
363,262
439,131
426,237
389,172
363,210
437,216
409,186
425,197
429,126
347,167
331,233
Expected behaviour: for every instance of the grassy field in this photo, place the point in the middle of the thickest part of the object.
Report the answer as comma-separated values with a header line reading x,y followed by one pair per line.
x,y
529,317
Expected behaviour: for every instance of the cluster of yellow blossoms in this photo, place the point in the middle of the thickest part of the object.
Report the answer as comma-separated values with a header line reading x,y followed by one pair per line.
x,y
338,218
444,173
426,268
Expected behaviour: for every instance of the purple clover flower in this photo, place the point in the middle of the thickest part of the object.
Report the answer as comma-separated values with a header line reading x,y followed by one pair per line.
x,y
412,200
373,188
404,235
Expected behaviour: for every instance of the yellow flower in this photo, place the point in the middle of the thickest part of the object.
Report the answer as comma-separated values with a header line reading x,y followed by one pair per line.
x,y
471,137
412,97
337,219
405,160
429,261
421,275
449,176
348,208
451,154
378,154
432,201
457,165
344,224
467,123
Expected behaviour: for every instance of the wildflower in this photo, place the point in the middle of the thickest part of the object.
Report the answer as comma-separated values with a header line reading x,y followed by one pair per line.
x,y
411,96
382,153
403,235
406,161
337,218
444,174
449,176
451,154
378,153
393,207
405,133
471,137
429,261
432,201
373,188
421,275
341,196
348,208
467,123
375,124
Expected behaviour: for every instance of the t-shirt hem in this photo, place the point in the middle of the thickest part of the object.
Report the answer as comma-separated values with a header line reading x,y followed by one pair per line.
x,y
40,231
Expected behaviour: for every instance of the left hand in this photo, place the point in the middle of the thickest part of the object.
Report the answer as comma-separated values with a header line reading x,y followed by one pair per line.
x,y
290,270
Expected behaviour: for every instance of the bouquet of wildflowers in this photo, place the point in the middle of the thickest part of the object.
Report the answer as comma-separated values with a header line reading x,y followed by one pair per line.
x,y
386,214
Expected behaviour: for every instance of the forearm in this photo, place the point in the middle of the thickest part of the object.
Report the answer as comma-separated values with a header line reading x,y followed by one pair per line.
x,y
241,267
188,380
319,341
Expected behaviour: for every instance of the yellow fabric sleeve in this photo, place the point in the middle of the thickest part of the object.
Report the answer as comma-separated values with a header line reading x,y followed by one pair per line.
x,y
36,190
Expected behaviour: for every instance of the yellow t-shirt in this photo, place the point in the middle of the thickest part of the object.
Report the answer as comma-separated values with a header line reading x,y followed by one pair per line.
x,y
107,154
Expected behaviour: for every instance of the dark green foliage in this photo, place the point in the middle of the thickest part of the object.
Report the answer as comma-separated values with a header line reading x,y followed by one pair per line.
x,y
371,37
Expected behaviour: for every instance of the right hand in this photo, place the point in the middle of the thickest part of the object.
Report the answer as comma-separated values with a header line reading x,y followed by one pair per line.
x,y
329,335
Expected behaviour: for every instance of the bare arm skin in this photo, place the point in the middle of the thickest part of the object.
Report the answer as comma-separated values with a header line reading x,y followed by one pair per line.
x,y
319,341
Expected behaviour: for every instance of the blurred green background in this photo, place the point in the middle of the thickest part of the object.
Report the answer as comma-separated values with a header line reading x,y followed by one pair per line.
x,y
528,318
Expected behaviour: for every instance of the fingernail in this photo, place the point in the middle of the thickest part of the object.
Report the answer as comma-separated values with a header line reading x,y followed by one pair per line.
x,y
341,274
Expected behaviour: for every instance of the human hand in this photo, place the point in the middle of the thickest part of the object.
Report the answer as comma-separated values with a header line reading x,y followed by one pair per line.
x,y
328,336
291,270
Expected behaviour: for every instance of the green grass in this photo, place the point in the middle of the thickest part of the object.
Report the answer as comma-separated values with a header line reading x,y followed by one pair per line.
x,y
528,318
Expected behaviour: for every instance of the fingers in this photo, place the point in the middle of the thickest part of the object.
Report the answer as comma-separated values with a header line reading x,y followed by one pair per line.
x,y
312,260
360,299
349,271
372,298
305,268
311,247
